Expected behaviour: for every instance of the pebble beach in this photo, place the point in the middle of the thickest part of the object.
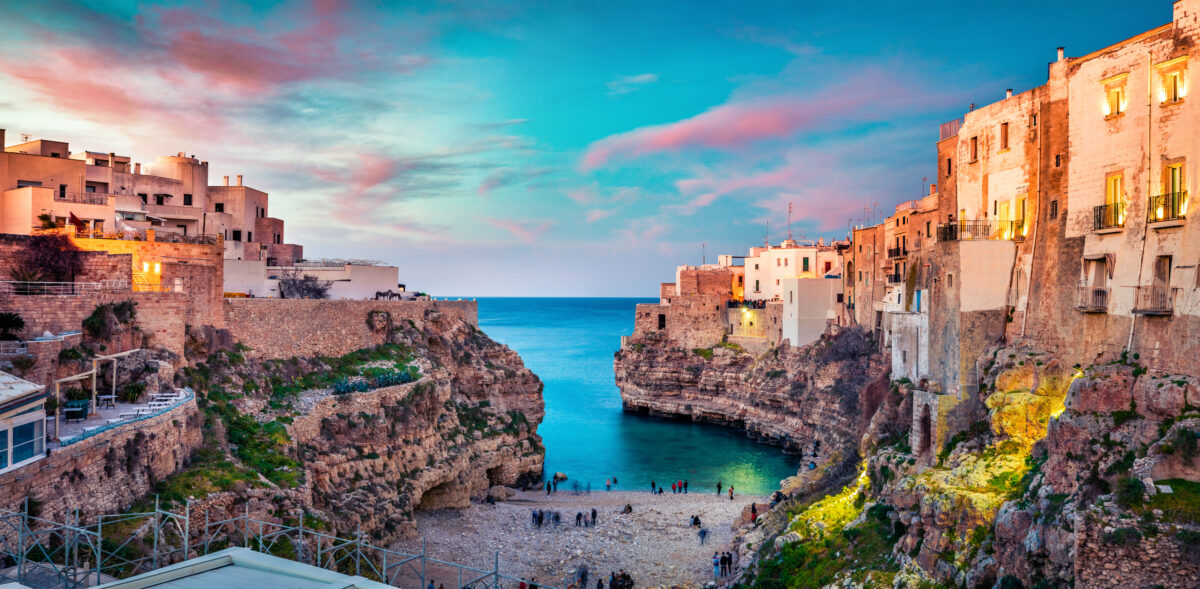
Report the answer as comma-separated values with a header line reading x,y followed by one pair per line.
x,y
655,544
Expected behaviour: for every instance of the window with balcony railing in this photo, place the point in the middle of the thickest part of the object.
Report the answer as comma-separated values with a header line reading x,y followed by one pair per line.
x,y
1108,216
1092,299
987,229
1155,300
1167,207
895,278
897,252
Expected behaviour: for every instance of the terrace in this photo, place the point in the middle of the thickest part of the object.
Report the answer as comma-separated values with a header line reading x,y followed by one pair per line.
x,y
1167,208
968,230
1108,217
62,431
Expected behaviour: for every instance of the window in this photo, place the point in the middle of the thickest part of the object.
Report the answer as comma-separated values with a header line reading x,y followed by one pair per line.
x,y
249,236
1003,135
975,149
1162,271
1057,160
756,266
860,275
1115,104
237,234
219,207
662,321
927,229
949,167
1173,87
1053,209
55,154
791,297
62,191
98,225
145,197
828,267
1033,120
187,200
160,199
950,280
756,289
1173,180
805,264
28,183
1114,192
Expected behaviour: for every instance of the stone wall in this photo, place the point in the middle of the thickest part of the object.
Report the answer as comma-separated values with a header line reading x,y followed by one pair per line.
x,y
1160,561
162,315
282,328
108,472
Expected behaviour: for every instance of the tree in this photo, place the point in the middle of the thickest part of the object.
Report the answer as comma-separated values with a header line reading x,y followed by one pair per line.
x,y
11,324
293,285
52,256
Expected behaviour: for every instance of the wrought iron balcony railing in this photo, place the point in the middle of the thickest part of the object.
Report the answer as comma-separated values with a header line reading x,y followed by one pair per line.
x,y
986,229
897,252
895,278
1108,216
87,198
1092,299
1167,207
1155,300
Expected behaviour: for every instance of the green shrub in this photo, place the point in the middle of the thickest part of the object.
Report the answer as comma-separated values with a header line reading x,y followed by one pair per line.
x,y
705,353
131,392
977,429
1123,537
1130,491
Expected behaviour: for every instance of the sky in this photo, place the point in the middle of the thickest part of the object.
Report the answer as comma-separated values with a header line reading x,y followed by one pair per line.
x,y
540,148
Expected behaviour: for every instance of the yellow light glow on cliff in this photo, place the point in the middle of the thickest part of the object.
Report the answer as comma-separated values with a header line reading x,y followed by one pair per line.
x,y
157,268
145,266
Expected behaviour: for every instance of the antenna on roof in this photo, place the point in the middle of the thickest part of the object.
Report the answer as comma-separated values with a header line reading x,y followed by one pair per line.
x,y
789,221
703,253
766,232
25,137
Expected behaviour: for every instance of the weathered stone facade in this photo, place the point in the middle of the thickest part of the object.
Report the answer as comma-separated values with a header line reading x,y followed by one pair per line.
x,y
282,328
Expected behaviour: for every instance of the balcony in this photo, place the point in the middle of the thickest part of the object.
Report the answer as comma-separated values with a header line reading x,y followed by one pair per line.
x,y
85,198
1108,216
1155,300
1092,299
897,252
895,278
987,229
1168,207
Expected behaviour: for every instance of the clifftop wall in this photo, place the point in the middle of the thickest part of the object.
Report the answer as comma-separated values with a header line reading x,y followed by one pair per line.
x,y
282,328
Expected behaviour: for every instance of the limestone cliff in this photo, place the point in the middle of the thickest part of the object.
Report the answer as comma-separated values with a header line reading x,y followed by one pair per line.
x,y
826,392
349,440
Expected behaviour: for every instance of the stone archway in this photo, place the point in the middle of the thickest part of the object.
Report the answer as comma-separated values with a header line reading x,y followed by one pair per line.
x,y
926,432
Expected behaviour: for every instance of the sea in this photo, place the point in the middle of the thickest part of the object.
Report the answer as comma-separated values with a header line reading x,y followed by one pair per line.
x,y
569,343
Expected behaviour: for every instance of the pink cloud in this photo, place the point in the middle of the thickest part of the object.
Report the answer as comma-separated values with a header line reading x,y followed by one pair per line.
x,y
741,123
526,231
597,214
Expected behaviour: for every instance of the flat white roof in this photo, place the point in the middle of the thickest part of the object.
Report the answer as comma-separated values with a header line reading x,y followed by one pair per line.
x,y
243,567
14,387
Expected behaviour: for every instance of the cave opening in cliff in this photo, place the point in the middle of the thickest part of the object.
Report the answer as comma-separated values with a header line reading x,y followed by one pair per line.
x,y
926,432
495,476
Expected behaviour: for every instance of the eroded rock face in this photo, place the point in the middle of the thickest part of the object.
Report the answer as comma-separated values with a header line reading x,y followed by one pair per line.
x,y
469,425
827,391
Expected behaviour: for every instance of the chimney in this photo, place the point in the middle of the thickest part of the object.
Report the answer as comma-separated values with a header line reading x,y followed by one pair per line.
x,y
226,180
137,168
181,154
1,139
239,180
1008,93
1060,53
932,188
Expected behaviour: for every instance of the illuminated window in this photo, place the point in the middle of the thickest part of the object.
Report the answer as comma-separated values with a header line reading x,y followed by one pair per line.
x,y
1003,135
1115,104
1172,80
1114,192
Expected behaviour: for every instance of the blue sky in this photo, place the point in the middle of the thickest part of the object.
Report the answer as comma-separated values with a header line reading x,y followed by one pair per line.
x,y
539,149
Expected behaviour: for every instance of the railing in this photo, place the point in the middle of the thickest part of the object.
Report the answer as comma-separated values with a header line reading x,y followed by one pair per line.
x,y
988,229
1092,299
16,287
11,348
897,252
949,129
1167,207
1108,216
87,198
895,278
746,304
1155,300
43,553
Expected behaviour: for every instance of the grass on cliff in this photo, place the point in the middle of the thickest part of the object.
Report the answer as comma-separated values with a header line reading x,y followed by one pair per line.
x,y
862,553
347,366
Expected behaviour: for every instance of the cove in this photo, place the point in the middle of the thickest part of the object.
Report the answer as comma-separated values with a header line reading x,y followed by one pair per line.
x,y
569,343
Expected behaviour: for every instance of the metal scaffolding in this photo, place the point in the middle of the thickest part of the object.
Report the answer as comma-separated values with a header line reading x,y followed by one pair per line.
x,y
45,554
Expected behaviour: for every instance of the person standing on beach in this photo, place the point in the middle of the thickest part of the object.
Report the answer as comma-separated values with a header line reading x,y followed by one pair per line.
x,y
716,565
593,516
652,487
718,488
731,492
703,535
685,486
607,484
600,583
547,489
578,518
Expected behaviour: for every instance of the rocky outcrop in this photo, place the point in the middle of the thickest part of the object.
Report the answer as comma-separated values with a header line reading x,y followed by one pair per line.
x,y
826,392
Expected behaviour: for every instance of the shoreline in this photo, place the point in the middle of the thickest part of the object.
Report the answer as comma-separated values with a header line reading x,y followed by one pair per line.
x,y
654,543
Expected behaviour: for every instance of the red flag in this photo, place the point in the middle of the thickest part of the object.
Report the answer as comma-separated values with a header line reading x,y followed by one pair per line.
x,y
80,225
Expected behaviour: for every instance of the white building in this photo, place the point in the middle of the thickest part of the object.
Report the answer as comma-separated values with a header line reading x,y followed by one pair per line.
x,y
255,278
808,305
767,267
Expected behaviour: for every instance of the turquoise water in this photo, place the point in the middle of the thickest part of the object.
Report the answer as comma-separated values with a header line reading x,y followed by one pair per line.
x,y
569,343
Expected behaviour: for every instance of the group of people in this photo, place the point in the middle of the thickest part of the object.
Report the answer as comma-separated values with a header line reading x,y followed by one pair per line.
x,y
719,485
677,487
722,563
541,517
